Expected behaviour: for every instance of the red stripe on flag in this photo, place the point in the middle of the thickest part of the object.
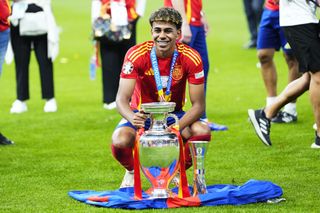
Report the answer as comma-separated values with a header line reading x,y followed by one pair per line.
x,y
180,202
99,199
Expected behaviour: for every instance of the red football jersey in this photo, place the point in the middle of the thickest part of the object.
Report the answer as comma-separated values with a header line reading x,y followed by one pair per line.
x,y
193,10
271,5
137,65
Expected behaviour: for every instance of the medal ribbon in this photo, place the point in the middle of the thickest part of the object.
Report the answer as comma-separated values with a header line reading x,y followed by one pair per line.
x,y
157,77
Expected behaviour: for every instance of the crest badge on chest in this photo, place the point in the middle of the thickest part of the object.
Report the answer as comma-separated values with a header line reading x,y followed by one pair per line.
x,y
177,73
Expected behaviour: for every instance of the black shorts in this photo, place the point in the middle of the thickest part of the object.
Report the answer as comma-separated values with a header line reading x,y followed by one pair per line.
x,y
305,43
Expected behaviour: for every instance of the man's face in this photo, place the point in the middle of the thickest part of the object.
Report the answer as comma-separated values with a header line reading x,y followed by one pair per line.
x,y
164,35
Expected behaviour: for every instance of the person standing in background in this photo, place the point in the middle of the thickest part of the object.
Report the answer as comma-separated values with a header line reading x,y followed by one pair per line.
x,y
33,27
270,39
300,24
194,29
4,39
253,11
123,15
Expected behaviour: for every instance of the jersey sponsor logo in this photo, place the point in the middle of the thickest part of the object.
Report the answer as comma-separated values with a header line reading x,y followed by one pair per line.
x,y
199,75
127,67
177,73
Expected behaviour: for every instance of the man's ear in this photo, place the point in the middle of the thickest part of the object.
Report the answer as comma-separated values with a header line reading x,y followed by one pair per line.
x,y
178,33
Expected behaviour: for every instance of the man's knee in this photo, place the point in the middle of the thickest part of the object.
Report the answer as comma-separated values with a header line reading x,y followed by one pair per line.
x,y
121,147
200,131
291,60
200,128
265,57
123,137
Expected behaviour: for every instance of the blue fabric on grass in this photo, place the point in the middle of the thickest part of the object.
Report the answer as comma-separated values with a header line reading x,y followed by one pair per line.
x,y
253,191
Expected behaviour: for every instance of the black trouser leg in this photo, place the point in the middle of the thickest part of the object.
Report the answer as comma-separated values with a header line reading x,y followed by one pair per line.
x,y
253,10
45,66
21,46
111,67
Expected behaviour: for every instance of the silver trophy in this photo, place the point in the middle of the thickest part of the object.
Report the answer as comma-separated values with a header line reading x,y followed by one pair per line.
x,y
159,149
198,152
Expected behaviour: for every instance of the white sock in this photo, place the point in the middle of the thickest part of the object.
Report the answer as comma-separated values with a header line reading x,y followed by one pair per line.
x,y
291,108
270,100
205,119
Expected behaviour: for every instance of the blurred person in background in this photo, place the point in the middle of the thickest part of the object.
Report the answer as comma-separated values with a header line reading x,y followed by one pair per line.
x,y
194,29
114,25
300,24
253,11
33,27
270,39
4,39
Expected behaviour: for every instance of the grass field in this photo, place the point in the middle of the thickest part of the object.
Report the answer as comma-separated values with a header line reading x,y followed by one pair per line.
x,y
68,150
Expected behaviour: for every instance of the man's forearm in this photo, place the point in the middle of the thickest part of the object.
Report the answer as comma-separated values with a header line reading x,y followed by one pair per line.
x,y
191,116
124,109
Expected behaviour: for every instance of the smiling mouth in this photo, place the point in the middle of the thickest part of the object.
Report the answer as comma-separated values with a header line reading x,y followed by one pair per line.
x,y
162,43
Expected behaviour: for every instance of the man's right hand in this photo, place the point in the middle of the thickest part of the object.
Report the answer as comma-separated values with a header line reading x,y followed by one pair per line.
x,y
138,119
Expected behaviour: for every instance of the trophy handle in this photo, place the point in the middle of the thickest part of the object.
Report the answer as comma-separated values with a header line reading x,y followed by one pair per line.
x,y
174,117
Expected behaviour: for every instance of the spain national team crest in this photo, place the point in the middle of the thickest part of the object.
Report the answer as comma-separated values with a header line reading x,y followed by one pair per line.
x,y
177,73
127,67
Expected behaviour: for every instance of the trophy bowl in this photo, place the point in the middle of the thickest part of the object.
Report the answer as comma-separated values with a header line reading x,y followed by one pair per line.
x,y
158,107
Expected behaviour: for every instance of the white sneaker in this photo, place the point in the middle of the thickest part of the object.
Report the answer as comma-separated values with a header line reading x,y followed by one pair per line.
x,y
50,106
316,143
128,179
110,106
314,126
18,107
315,146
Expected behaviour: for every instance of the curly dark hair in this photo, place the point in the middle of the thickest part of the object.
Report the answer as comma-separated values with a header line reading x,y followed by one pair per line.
x,y
166,14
